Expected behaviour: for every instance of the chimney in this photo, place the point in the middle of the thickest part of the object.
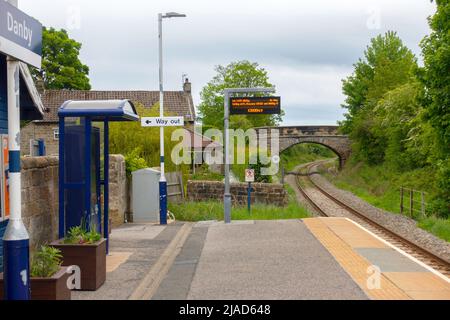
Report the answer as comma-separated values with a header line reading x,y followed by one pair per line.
x,y
40,85
187,86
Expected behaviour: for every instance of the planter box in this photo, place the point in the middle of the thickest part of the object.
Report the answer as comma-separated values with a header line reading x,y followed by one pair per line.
x,y
91,258
54,288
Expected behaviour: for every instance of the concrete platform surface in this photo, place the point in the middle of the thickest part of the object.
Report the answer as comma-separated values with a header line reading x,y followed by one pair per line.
x,y
268,260
314,258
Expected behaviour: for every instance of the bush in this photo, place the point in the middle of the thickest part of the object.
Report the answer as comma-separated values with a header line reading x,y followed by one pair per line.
x,y
142,144
133,161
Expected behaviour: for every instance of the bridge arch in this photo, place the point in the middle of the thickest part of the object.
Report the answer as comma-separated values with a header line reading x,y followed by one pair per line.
x,y
327,136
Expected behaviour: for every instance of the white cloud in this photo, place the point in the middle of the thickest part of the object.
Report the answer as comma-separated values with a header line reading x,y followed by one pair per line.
x,y
306,46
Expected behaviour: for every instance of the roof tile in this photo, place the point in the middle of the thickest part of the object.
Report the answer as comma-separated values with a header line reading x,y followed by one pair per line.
x,y
178,103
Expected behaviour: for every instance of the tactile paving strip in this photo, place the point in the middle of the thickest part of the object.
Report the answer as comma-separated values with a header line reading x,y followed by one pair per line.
x,y
354,264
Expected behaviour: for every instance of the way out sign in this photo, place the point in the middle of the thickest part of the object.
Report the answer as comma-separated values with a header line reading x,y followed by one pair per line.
x,y
162,121
249,175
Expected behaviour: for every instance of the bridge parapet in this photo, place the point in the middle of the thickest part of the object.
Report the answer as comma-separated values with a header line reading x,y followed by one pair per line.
x,y
327,136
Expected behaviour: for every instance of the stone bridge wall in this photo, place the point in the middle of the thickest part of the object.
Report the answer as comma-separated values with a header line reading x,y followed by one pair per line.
x,y
327,136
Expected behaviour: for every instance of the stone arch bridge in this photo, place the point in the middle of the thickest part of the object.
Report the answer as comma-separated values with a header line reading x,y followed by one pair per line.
x,y
327,136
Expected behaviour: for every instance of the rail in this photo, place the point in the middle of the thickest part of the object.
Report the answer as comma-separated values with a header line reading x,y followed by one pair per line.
x,y
442,264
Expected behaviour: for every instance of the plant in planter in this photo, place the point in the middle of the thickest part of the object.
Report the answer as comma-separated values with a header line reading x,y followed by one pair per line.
x,y
78,235
87,250
48,279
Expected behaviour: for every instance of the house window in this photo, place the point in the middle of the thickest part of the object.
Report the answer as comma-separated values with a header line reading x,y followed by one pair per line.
x,y
55,134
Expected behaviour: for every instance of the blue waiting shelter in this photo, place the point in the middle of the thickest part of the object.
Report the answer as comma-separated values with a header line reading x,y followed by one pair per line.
x,y
80,170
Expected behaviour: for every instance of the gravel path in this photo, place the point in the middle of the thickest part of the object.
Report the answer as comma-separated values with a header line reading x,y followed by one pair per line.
x,y
404,226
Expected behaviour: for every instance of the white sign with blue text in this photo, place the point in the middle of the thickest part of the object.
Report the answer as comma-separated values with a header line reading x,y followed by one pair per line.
x,y
162,121
20,35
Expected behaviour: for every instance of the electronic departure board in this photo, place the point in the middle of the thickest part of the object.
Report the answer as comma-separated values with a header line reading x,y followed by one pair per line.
x,y
255,105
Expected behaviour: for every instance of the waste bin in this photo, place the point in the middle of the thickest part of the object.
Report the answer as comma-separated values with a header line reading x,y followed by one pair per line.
x,y
145,184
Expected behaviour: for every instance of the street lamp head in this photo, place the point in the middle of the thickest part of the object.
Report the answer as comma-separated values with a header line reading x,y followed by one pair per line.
x,y
174,15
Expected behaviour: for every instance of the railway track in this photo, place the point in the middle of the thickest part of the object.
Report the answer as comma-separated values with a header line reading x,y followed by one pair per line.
x,y
418,252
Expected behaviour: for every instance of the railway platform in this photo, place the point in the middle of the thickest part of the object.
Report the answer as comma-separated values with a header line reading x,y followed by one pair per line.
x,y
313,258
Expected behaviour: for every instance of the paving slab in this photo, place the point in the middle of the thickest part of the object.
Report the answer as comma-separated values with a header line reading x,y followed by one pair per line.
x,y
177,283
134,249
389,260
268,260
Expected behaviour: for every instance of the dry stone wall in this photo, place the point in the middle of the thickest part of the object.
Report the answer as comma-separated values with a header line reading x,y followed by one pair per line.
x,y
267,193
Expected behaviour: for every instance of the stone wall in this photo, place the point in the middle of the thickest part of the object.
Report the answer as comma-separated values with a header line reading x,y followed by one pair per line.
x,y
266,193
40,199
118,190
40,196
39,130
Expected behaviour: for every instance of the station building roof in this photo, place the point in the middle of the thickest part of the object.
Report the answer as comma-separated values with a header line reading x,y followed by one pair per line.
x,y
177,103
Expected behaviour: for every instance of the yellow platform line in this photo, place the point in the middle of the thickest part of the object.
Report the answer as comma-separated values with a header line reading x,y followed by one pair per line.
x,y
355,265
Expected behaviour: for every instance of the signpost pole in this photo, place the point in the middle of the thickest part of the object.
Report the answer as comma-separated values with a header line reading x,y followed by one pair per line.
x,y
15,240
249,196
162,180
227,194
226,118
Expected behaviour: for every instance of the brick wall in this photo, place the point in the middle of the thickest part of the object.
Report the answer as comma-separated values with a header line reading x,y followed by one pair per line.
x,y
266,193
39,130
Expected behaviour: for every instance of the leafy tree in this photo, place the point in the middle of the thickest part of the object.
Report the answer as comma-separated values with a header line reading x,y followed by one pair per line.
x,y
397,118
240,74
436,78
61,66
436,73
387,64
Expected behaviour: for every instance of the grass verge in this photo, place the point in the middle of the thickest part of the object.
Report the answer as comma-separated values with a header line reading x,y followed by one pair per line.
x,y
380,186
213,210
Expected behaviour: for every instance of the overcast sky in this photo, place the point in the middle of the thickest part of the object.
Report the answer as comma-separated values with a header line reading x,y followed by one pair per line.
x,y
307,47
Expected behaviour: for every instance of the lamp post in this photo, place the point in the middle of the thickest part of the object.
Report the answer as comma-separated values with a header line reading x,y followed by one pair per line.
x,y
162,180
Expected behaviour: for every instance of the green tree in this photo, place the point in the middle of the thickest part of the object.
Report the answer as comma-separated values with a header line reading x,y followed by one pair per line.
x,y
398,119
387,64
436,78
436,73
240,74
61,66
